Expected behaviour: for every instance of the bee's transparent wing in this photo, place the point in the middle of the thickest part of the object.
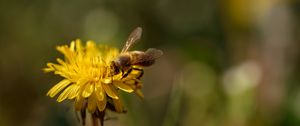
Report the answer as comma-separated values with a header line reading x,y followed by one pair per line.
x,y
132,39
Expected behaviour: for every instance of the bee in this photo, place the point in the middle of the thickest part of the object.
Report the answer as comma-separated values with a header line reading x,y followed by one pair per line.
x,y
127,59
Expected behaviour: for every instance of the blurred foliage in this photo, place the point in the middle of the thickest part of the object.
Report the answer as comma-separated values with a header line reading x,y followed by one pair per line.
x,y
226,62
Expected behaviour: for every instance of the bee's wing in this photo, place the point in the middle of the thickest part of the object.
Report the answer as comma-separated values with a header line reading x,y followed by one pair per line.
x,y
132,39
153,53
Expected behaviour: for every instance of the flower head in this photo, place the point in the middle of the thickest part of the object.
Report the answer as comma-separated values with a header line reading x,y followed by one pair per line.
x,y
89,78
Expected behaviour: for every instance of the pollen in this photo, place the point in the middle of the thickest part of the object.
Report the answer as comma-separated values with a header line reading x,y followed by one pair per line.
x,y
89,77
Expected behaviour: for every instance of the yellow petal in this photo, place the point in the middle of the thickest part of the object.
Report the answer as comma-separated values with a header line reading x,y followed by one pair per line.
x,y
118,105
60,61
64,94
73,92
88,90
92,103
72,46
48,69
107,81
139,93
135,73
78,45
110,91
90,45
82,82
130,82
79,50
101,104
58,87
118,76
68,53
54,66
99,92
50,65
123,86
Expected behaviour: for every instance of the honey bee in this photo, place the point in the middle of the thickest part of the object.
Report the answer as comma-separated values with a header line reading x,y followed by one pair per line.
x,y
127,59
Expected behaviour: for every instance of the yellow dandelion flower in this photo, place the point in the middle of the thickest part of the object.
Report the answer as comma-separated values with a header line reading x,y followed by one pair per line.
x,y
94,74
88,75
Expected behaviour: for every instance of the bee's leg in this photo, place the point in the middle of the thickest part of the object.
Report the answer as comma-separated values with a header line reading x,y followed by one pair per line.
x,y
127,73
130,70
141,74
122,72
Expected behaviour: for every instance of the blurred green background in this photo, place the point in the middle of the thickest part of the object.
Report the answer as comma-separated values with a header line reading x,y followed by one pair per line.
x,y
225,63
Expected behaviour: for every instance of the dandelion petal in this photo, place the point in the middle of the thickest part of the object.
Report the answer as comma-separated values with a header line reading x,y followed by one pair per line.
x,y
139,93
73,91
118,105
102,104
130,82
58,87
88,90
110,91
92,103
123,86
99,92
64,94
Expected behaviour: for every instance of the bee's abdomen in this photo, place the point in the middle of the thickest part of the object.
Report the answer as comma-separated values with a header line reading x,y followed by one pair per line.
x,y
143,60
146,63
